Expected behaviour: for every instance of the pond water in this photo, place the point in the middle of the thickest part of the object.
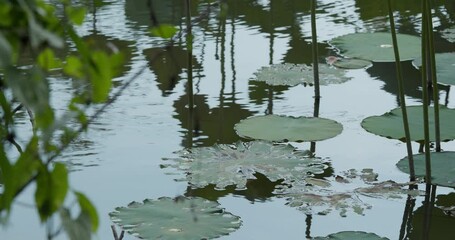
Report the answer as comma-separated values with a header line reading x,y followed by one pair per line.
x,y
119,160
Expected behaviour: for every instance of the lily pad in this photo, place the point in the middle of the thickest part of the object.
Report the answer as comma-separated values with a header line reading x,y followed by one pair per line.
x,y
390,124
283,128
377,47
442,167
288,74
352,63
388,190
224,165
445,67
180,218
351,235
321,201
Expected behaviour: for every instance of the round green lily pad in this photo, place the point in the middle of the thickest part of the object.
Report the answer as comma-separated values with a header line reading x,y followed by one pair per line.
x,y
352,63
442,167
284,128
390,124
445,67
179,218
352,235
377,47
288,74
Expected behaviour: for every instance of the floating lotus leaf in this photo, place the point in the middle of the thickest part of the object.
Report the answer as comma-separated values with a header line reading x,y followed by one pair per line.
x,y
377,47
180,218
288,74
351,235
388,190
445,67
319,197
314,200
449,34
283,128
442,167
352,63
224,165
390,124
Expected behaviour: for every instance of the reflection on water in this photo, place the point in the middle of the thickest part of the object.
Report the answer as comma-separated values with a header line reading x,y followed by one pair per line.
x,y
232,40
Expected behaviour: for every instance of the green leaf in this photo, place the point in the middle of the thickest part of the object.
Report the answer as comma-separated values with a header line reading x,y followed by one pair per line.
x,y
181,218
5,12
351,235
390,124
288,74
73,67
20,173
6,52
76,229
442,167
377,47
282,128
445,67
101,74
224,165
51,190
47,60
76,14
32,90
88,209
166,31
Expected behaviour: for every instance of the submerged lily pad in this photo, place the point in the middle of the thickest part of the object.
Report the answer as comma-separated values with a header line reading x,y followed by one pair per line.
x,y
388,190
442,167
445,67
181,218
288,74
283,128
352,63
377,47
224,165
351,235
390,124
321,201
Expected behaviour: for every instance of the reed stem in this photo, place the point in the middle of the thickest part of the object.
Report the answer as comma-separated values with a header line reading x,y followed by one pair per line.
x,y
314,38
426,130
401,93
433,75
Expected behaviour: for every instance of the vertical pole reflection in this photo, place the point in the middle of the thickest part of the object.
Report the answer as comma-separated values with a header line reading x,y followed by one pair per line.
x,y
430,195
189,85
406,225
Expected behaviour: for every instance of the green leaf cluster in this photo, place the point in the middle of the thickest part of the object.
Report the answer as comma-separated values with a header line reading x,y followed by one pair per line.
x,y
32,37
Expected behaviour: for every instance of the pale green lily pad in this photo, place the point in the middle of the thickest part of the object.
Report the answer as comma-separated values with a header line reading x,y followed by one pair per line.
x,y
351,235
445,67
283,128
224,165
442,167
289,74
390,124
352,63
377,47
180,218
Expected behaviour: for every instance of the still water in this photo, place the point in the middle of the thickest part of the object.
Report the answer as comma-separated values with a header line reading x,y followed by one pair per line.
x,y
118,160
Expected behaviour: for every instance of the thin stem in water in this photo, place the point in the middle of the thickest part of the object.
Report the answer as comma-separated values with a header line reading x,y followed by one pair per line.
x,y
401,93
